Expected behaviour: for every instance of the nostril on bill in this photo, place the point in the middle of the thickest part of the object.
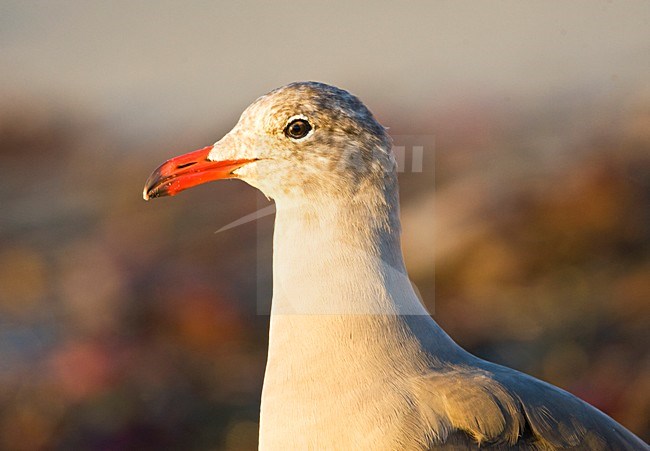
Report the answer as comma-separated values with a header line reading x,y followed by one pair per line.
x,y
185,165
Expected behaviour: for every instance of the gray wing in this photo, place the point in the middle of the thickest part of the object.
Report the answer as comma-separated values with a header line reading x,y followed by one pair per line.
x,y
483,404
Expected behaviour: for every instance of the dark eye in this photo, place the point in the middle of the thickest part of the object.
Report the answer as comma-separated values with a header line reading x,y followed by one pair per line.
x,y
297,128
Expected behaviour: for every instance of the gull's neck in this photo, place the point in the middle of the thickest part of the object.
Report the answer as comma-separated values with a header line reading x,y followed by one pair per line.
x,y
338,255
344,319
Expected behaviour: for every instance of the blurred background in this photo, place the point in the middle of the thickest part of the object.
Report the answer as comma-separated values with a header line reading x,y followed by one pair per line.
x,y
132,325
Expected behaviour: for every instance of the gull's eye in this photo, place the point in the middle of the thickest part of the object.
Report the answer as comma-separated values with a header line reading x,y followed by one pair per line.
x,y
297,128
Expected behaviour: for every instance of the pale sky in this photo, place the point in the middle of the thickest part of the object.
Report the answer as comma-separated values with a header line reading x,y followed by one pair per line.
x,y
153,65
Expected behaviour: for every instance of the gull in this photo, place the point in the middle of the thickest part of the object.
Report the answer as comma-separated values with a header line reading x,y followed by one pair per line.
x,y
355,361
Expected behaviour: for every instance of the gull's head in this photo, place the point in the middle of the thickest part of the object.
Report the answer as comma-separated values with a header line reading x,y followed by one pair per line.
x,y
302,140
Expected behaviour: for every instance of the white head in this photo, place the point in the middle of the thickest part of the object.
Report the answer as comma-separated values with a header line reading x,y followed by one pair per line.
x,y
301,141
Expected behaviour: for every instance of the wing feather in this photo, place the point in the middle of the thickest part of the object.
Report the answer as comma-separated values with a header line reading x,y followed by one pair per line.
x,y
495,406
